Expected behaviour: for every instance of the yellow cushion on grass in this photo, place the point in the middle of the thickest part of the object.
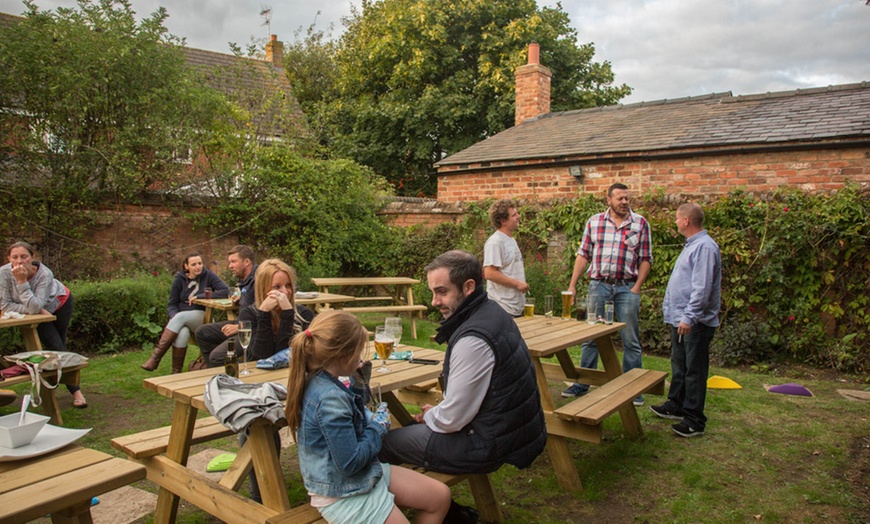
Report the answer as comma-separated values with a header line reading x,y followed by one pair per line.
x,y
717,382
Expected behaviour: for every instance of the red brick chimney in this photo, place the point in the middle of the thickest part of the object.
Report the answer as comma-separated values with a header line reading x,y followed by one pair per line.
x,y
532,87
275,52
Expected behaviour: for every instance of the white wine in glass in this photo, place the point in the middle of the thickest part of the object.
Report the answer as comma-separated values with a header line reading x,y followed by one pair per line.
x,y
244,341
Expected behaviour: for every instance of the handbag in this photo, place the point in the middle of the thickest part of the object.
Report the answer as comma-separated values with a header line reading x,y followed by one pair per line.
x,y
35,362
197,364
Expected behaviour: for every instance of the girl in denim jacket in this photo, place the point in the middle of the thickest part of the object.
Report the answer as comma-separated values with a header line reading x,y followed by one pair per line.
x,y
338,440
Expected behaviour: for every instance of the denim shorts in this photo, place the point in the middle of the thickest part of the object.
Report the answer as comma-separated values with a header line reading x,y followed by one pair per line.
x,y
374,506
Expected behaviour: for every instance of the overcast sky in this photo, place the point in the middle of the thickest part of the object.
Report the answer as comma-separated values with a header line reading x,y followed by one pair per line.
x,y
661,48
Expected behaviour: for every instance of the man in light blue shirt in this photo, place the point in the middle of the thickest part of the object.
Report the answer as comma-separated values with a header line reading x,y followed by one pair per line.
x,y
691,309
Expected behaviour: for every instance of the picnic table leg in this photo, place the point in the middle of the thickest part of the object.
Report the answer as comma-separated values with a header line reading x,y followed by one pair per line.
x,y
270,477
79,513
557,446
31,338
613,369
397,409
178,449
49,405
208,313
484,498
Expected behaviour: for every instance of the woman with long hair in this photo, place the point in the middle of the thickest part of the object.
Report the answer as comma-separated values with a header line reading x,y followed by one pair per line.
x,y
185,316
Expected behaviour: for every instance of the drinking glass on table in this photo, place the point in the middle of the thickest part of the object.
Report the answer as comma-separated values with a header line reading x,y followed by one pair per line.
x,y
385,341
394,325
244,341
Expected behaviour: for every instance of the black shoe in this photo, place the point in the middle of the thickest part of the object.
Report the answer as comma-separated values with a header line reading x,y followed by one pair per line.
x,y
664,412
459,514
684,430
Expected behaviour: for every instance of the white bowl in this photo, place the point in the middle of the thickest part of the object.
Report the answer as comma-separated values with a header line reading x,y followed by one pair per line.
x,y
13,436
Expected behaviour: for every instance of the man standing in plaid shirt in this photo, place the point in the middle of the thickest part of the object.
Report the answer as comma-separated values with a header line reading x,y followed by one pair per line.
x,y
616,252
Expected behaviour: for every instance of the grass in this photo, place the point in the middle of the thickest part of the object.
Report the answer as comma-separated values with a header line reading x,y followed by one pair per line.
x,y
765,457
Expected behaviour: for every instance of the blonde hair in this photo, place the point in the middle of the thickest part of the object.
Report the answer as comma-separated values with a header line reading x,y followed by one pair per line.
x,y
263,284
333,336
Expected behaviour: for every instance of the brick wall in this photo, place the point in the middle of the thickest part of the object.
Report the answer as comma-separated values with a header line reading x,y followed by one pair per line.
x,y
811,170
407,212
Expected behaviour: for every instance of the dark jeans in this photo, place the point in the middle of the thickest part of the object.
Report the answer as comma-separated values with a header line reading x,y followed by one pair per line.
x,y
690,364
213,343
52,335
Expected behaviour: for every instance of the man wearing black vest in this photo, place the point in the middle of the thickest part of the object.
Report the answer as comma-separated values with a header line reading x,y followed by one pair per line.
x,y
491,413
212,338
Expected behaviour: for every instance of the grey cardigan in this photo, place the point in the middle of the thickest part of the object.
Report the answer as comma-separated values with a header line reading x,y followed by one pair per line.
x,y
38,293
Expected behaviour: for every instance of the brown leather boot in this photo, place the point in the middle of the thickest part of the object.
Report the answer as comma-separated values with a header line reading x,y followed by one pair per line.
x,y
163,345
178,355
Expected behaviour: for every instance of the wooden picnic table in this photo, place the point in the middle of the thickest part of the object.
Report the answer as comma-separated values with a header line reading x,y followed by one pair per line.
x,y
396,293
551,337
176,481
27,325
61,483
217,304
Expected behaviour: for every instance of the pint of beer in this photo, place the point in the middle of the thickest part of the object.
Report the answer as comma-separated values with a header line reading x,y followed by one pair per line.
x,y
529,308
384,347
566,304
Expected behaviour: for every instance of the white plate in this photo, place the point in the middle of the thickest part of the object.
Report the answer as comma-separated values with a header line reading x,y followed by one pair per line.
x,y
47,440
306,294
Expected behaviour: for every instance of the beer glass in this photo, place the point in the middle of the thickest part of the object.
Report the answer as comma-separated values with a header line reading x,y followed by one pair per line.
x,y
385,341
548,306
567,296
608,312
529,308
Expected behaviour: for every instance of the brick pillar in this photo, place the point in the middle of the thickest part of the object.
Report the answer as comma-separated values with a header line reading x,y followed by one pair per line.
x,y
275,52
532,88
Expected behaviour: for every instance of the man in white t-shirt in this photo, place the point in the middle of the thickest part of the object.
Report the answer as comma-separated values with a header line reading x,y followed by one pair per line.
x,y
502,261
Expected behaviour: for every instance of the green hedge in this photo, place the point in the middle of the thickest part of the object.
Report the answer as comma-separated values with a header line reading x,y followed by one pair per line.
x,y
110,316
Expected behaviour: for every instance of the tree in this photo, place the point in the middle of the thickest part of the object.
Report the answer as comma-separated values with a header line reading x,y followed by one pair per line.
x,y
422,79
97,101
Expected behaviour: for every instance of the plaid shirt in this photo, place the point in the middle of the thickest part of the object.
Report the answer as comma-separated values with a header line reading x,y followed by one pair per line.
x,y
615,252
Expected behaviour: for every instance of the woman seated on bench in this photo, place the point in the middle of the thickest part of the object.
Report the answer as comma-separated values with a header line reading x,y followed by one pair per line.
x,y
338,439
274,318
184,316
29,287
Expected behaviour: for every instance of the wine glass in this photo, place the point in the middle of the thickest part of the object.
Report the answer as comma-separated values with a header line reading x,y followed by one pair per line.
x,y
394,325
385,341
244,341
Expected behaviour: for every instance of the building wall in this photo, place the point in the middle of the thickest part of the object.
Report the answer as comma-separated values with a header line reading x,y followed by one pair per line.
x,y
811,170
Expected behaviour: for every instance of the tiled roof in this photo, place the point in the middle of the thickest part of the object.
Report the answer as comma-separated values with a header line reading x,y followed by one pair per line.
x,y
711,121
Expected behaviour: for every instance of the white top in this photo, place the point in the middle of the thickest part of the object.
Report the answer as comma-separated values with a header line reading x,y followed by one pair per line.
x,y
471,365
501,251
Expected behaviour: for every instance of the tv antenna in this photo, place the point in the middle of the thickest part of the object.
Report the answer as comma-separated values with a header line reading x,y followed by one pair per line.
x,y
266,13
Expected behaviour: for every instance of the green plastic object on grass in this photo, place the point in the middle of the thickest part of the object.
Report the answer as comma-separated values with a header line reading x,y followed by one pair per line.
x,y
221,462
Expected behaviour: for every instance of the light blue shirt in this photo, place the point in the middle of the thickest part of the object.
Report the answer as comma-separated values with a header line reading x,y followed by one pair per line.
x,y
694,288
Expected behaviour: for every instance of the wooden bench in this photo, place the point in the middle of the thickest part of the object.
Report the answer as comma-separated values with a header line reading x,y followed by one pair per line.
x,y
155,441
396,291
481,489
592,408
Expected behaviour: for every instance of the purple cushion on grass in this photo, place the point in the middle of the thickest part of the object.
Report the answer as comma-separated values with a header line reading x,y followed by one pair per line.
x,y
791,389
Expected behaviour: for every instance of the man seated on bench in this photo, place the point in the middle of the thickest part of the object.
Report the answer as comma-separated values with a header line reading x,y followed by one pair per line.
x,y
491,413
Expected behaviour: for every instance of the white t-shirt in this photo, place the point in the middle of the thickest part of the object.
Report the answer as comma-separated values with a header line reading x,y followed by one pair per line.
x,y
501,251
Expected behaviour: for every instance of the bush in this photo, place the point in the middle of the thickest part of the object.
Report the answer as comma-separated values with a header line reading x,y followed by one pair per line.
x,y
740,342
110,316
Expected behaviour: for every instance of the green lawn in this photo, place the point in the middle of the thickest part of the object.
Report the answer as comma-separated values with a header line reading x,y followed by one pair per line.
x,y
765,457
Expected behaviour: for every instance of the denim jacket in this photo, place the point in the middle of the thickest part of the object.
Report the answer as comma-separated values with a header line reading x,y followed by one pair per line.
x,y
338,445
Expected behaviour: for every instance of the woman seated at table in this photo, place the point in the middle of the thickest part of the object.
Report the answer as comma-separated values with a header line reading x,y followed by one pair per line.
x,y
274,318
185,316
29,287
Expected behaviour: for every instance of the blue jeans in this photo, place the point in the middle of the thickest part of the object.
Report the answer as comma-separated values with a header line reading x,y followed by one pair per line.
x,y
626,308
690,364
